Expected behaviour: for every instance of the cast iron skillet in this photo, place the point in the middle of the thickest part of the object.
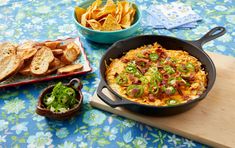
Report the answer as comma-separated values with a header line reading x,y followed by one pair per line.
x,y
194,48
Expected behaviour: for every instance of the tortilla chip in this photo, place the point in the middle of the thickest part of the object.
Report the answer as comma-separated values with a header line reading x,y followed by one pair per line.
x,y
126,7
119,12
79,12
133,15
95,25
126,21
92,8
110,24
109,8
84,19
109,2
112,16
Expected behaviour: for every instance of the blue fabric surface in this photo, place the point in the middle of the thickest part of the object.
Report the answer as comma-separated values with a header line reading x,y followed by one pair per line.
x,y
43,20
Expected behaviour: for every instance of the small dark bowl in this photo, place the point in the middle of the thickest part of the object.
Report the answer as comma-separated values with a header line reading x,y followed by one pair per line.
x,y
41,110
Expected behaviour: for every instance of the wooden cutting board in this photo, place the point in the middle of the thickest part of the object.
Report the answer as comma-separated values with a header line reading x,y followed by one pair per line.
x,y
211,122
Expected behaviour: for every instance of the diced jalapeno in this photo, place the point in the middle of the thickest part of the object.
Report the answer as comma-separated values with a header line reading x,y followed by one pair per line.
x,y
131,69
153,57
121,79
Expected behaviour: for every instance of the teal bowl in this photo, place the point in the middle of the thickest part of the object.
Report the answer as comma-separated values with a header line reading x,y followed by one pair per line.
x,y
107,36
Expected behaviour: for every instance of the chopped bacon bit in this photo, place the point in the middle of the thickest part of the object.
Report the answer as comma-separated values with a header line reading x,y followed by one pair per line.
x,y
185,97
146,52
134,91
166,76
137,81
151,98
164,82
116,74
140,60
143,70
131,77
124,60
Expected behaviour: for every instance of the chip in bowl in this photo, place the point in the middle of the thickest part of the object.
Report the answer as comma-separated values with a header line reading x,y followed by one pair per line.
x,y
108,17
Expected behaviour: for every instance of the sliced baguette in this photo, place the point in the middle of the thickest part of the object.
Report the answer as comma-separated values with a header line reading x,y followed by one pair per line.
x,y
26,45
54,65
7,49
69,68
10,65
57,52
52,45
69,55
41,61
25,70
27,53
75,46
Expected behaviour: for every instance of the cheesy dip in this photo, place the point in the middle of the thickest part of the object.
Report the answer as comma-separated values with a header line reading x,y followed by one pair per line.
x,y
156,76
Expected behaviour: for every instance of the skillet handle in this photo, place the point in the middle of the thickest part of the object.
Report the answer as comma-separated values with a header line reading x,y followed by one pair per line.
x,y
106,99
211,35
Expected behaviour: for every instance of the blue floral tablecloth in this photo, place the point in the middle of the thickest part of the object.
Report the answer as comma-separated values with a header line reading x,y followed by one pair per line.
x,y
41,20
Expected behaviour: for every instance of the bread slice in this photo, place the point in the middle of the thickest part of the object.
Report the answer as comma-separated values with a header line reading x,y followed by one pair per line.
x,y
70,53
75,46
70,68
26,45
25,70
7,49
54,65
41,61
10,65
52,45
57,52
27,53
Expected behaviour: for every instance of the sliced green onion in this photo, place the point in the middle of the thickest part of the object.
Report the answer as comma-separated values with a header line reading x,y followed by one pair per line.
x,y
171,102
190,67
169,69
144,80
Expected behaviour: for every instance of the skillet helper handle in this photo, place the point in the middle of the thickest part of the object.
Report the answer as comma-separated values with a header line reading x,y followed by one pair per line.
x,y
211,35
106,99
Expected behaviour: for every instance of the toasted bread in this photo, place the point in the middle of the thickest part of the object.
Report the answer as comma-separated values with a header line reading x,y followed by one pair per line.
x,y
10,65
54,65
41,61
62,46
69,55
52,45
57,51
70,68
7,49
25,70
75,46
27,53
26,45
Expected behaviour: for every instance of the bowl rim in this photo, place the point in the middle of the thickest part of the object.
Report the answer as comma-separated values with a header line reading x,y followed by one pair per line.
x,y
109,32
